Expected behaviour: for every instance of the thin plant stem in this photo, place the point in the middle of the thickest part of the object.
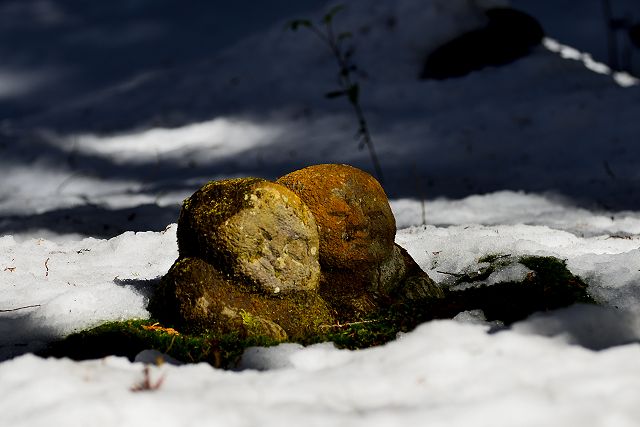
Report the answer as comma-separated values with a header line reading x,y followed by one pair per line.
x,y
347,85
612,43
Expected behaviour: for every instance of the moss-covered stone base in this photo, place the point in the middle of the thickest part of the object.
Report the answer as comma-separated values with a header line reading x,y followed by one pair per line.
x,y
128,338
196,297
256,230
312,258
550,285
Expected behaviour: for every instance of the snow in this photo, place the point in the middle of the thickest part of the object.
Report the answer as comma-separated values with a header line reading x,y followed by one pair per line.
x,y
534,158
622,78
15,82
171,144
78,284
444,373
611,266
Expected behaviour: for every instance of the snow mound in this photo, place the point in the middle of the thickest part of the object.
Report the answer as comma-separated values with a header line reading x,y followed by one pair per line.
x,y
443,373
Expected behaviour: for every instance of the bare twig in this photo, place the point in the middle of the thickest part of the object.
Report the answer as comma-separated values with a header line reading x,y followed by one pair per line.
x,y
348,87
497,257
46,266
146,384
450,274
20,308
173,338
342,325
620,236
608,170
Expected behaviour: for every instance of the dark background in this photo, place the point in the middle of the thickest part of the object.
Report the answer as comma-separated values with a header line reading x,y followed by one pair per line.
x,y
67,48
54,51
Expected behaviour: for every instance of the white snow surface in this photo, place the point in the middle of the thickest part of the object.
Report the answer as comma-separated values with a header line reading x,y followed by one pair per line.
x,y
535,158
443,373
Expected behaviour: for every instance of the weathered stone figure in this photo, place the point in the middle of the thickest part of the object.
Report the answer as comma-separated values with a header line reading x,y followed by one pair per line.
x,y
281,260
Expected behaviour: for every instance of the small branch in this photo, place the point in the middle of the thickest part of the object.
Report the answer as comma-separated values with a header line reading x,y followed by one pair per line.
x,y
497,257
20,308
46,266
620,236
342,325
173,338
450,274
146,384
348,86
608,170
366,140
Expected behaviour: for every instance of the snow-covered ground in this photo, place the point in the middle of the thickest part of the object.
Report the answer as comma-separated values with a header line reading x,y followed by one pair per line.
x,y
537,157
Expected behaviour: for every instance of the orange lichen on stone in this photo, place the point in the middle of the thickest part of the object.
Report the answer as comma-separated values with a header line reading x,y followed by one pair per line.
x,y
356,224
279,260
156,327
362,269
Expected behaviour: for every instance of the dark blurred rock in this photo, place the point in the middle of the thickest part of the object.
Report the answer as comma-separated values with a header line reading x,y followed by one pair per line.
x,y
509,35
634,35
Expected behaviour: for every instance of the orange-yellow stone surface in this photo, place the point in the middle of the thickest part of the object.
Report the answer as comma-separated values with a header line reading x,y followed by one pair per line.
x,y
355,222
252,229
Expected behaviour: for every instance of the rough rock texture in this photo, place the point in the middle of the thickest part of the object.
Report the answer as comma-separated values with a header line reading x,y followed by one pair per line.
x,y
194,296
354,218
254,231
284,260
362,268
416,284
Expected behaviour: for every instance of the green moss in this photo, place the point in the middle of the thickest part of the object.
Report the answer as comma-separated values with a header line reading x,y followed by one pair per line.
x,y
194,296
378,328
216,201
128,338
550,286
364,322
247,318
205,210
